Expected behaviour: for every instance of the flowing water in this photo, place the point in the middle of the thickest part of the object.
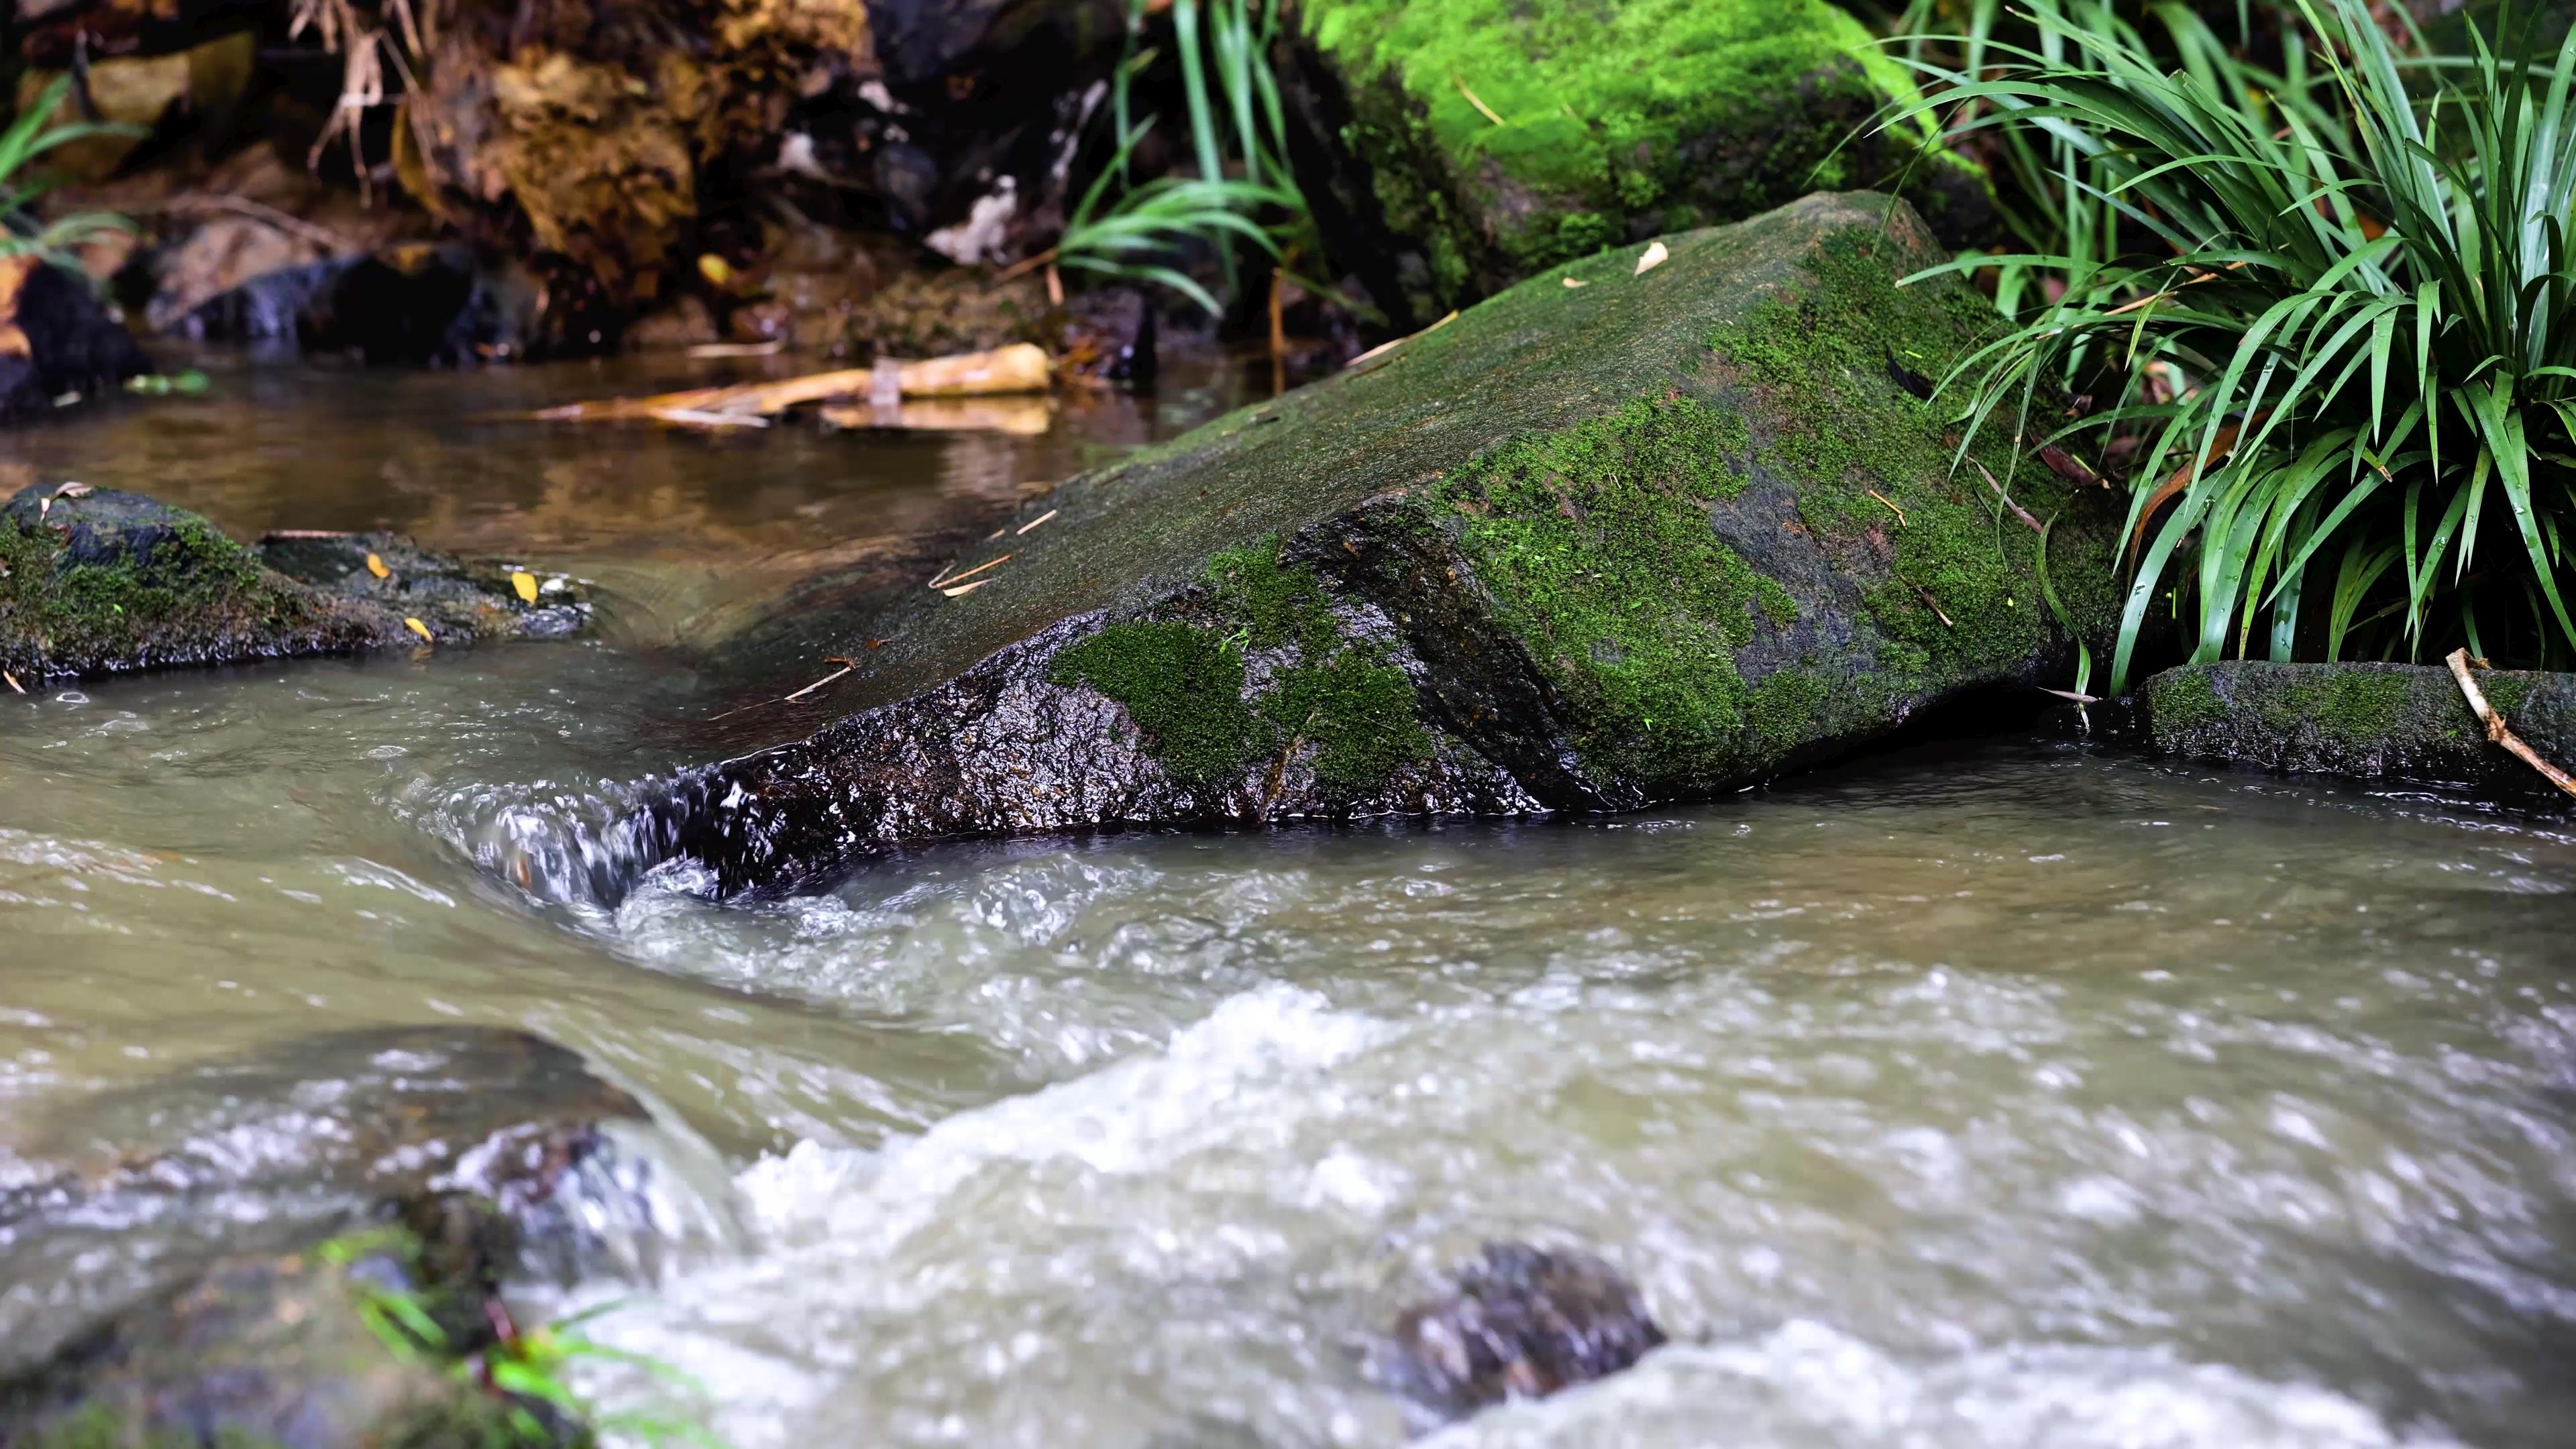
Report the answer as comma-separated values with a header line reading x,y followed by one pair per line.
x,y
2002,1094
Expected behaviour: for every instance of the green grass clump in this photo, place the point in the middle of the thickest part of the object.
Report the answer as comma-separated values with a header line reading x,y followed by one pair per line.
x,y
2331,309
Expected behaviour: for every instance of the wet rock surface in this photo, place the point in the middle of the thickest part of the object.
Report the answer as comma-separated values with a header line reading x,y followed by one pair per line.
x,y
56,339
479,1152
97,581
1523,1322
409,305
1647,538
2371,721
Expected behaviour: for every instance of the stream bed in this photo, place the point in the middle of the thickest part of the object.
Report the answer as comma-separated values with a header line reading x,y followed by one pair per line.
x,y
1978,1094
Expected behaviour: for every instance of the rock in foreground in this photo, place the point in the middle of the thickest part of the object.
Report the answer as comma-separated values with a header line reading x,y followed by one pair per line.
x,y
1648,538
1522,1323
2401,721
95,581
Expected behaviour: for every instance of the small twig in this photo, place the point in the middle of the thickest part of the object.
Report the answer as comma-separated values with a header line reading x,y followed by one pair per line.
x,y
946,577
2496,730
2071,694
1024,266
1891,507
2018,511
771,348
1473,100
1928,601
1034,522
701,418
846,666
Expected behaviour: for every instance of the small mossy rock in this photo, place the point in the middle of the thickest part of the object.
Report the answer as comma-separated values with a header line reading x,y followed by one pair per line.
x,y
1521,1322
98,581
56,339
1452,147
1647,539
477,599
2372,721
282,1351
408,304
103,581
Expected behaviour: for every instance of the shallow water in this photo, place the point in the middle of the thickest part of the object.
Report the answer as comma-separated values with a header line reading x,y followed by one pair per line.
x,y
1980,1095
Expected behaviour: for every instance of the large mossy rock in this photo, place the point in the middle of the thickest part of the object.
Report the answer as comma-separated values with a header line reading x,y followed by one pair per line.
x,y
1617,121
1645,538
97,581
2401,721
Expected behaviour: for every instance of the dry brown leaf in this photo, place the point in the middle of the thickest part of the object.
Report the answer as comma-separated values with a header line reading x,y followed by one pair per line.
x,y
73,490
377,567
1655,256
526,584
13,681
1576,282
419,628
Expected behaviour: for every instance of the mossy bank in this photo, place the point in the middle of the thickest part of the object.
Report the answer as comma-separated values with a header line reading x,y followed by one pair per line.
x,y
1451,147
2370,721
1642,538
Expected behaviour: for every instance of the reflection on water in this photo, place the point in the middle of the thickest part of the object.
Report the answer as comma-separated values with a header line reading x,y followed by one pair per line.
x,y
1998,1096
691,529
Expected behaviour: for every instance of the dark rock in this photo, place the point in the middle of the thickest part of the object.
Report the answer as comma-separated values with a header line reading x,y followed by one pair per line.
x,y
1522,1323
455,597
1583,548
56,339
1449,148
2374,721
96,581
409,304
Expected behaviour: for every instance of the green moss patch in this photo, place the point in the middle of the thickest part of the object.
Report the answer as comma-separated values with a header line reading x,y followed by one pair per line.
x,y
1184,683
194,586
1597,546
1873,463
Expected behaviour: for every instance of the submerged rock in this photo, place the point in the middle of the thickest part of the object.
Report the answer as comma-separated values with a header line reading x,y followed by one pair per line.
x,y
56,339
97,581
1588,547
1522,1323
1452,147
284,1351
2368,720
492,1148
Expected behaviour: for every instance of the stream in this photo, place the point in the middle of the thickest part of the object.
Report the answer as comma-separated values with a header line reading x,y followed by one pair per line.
x,y
1976,1094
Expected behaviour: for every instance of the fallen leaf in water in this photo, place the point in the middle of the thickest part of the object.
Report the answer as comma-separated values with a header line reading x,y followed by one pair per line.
x,y
419,628
13,681
1576,282
377,567
1654,257
965,588
526,584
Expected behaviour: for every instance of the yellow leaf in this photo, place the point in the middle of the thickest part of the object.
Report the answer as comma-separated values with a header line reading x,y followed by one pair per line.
x,y
377,567
714,269
526,584
419,628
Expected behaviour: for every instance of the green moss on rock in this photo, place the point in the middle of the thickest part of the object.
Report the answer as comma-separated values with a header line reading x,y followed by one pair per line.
x,y
2366,720
1617,120
1181,684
